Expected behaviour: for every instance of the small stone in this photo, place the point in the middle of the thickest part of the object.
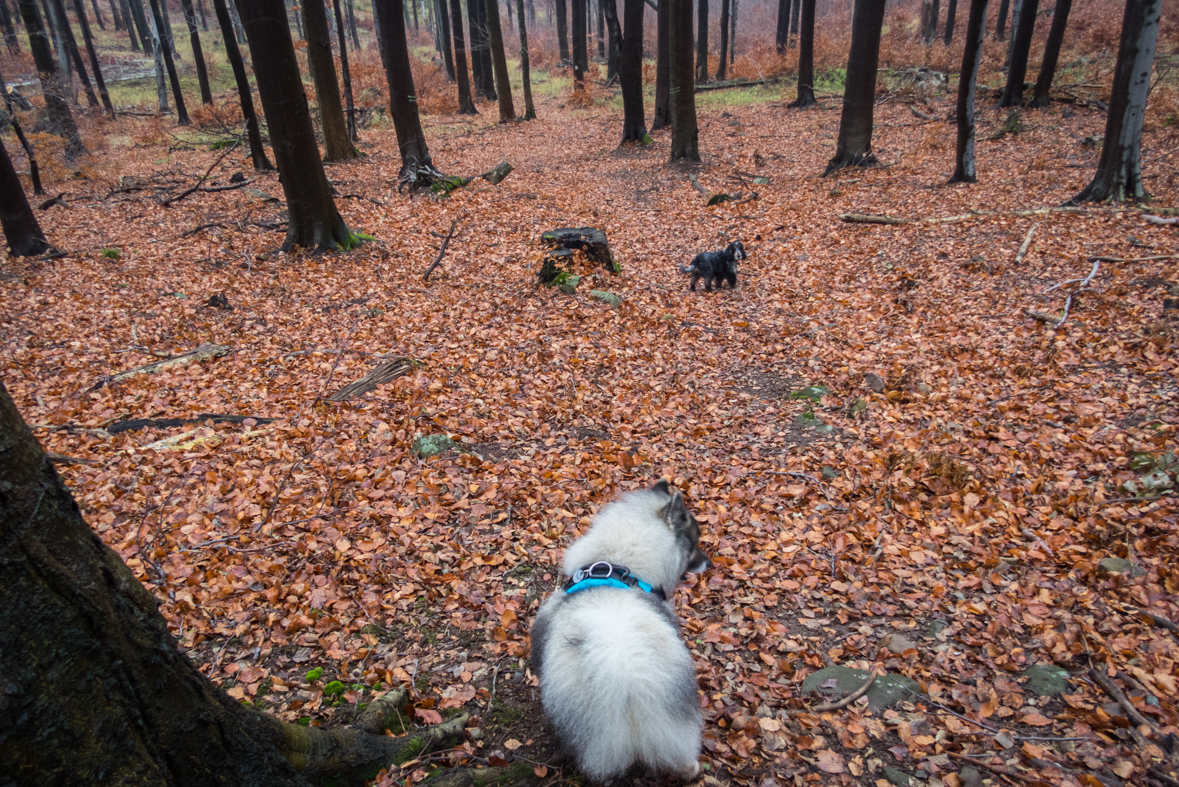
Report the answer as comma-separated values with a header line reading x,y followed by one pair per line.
x,y
606,297
971,777
569,286
874,381
895,643
1047,679
897,776
1119,565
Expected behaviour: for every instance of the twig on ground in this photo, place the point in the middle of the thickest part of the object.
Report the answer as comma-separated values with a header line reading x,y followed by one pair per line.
x,y
441,251
849,699
1010,774
1134,259
204,177
1132,713
1027,244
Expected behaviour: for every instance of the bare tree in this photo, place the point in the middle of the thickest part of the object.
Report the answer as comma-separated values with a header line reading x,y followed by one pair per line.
x,y
337,142
21,230
499,62
1051,52
1021,44
685,135
967,82
806,57
854,148
194,37
93,56
245,98
529,109
466,104
61,119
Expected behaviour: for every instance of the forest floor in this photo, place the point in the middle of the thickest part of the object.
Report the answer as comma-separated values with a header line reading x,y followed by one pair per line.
x,y
893,463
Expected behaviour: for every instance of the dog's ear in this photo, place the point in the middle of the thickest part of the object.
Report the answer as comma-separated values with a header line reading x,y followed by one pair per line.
x,y
676,514
662,486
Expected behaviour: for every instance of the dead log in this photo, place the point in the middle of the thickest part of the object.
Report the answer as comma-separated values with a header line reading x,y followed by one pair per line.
x,y
390,370
204,352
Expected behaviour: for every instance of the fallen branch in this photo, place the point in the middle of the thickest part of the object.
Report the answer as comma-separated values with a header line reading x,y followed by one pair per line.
x,y
1160,219
390,370
1132,713
918,113
1135,259
204,352
695,181
204,177
1048,319
61,459
1027,244
438,259
849,699
793,474
135,424
1010,774
1160,621
869,218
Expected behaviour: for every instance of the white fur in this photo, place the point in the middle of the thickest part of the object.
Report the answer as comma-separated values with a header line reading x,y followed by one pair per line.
x,y
616,679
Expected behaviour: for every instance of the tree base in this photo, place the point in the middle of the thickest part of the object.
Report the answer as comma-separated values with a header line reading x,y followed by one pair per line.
x,y
850,160
805,100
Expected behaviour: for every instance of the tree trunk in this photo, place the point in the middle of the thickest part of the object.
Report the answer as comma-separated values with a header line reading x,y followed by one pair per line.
x,y
1020,47
10,37
630,73
135,7
34,170
337,144
529,109
662,117
71,45
61,119
499,62
563,31
129,22
168,30
157,52
414,4
97,15
181,112
580,54
854,148
1001,23
782,29
245,98
194,37
443,32
480,50
967,82
201,11
92,53
928,21
117,15
417,170
701,41
24,237
951,12
346,73
352,25
1119,170
733,34
466,104
314,221
724,42
601,38
806,58
1051,52
613,38
685,138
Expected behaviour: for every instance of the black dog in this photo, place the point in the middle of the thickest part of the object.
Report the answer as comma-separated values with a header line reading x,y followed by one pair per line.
x,y
718,266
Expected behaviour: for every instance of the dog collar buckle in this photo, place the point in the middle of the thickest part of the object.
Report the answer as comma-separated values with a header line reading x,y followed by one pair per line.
x,y
598,570
606,574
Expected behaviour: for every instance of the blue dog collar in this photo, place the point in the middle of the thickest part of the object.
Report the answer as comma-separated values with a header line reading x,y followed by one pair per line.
x,y
605,574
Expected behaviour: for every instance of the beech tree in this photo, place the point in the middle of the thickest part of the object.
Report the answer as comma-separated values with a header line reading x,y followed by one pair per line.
x,y
71,50
563,31
1119,170
580,52
499,62
782,30
1051,53
685,136
21,230
951,18
61,119
1021,44
417,170
92,54
314,221
245,97
170,63
662,116
724,41
630,70
336,141
526,77
701,41
466,104
194,37
967,82
854,148
806,57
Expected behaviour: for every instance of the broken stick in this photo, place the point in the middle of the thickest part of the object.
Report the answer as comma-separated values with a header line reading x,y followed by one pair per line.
x,y
1027,244
441,251
849,699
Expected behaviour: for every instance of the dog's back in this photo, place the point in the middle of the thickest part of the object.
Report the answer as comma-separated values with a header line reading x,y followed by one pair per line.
x,y
616,680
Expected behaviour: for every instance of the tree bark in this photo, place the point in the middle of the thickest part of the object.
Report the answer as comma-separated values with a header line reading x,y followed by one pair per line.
x,y
181,111
21,230
466,104
117,14
129,22
1021,45
967,82
580,52
97,15
951,12
613,38
10,37
854,148
351,5
346,73
662,117
685,138
135,8
1051,53
481,69
499,62
701,41
630,73
34,170
443,30
194,37
563,31
92,53
71,45
245,97
417,170
1001,22
61,119
721,69
733,33
314,221
782,29
525,74
337,144
806,58
1119,170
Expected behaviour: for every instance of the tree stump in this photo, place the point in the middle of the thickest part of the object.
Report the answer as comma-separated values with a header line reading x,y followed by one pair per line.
x,y
564,241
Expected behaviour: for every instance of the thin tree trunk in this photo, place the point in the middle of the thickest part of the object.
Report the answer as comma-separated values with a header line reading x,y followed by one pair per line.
x,y
346,72
24,237
337,143
201,12
685,137
630,74
1119,170
854,148
414,5
794,9
601,37
168,29
157,51
64,60
34,170
61,119
443,34
135,7
417,170
806,58
499,62
701,41
117,15
131,29
1001,22
245,98
529,109
10,37
782,29
613,38
352,25
580,56
466,104
724,42
951,11
1021,44
733,33
93,54
563,31
662,117
181,112
198,55
1051,53
964,166
97,15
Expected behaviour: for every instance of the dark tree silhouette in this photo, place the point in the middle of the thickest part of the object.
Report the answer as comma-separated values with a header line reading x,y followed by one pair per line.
x,y
1001,23
442,27
245,98
724,41
630,73
1021,44
499,62
34,170
854,148
967,82
526,77
170,64
345,71
71,45
21,230
685,136
579,44
417,170
61,119
563,31
701,41
481,68
951,14
92,53
782,30
10,37
1051,52
806,57
337,144
1119,170
662,116
313,221
194,37
466,104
